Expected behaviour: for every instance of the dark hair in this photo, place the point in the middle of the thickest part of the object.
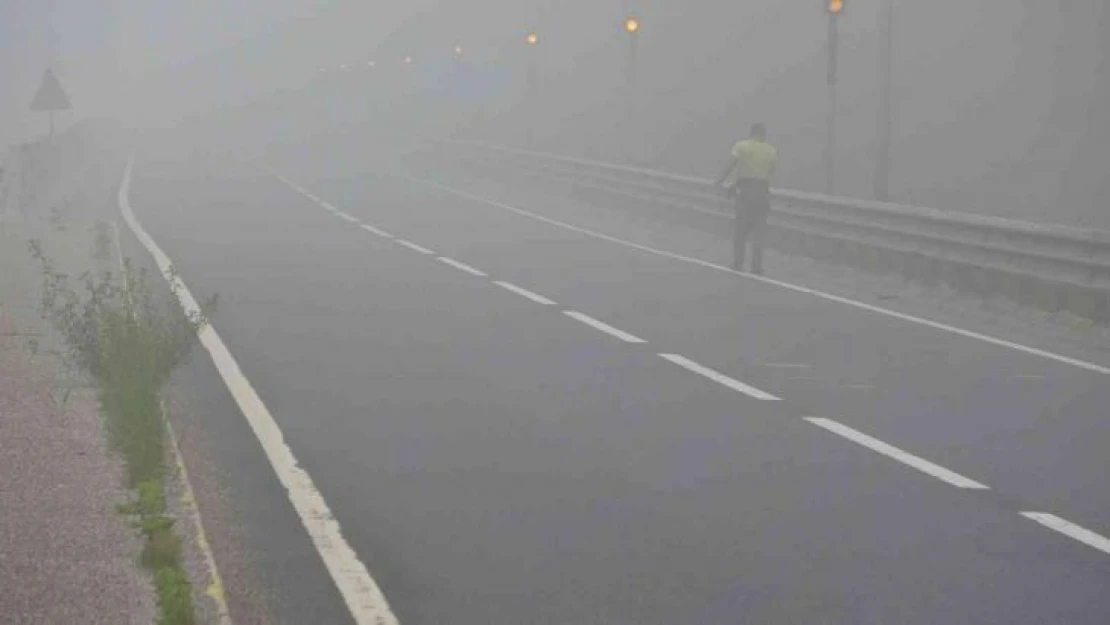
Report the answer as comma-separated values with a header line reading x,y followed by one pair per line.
x,y
759,130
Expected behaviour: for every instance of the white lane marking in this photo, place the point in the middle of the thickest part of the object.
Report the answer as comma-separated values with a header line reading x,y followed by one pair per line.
x,y
414,247
604,327
373,230
363,597
346,217
786,285
462,266
720,378
874,444
1071,530
535,297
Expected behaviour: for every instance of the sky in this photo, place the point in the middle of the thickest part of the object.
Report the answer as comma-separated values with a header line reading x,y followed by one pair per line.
x,y
100,47
996,101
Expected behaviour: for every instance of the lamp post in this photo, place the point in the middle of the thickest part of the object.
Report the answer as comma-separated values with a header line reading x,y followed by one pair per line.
x,y
532,40
835,9
886,113
632,27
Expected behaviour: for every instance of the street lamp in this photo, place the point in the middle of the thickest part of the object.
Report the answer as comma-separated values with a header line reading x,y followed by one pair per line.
x,y
886,114
458,50
836,9
532,39
408,60
632,27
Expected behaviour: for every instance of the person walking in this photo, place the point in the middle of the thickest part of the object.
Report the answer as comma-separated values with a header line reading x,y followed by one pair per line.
x,y
748,178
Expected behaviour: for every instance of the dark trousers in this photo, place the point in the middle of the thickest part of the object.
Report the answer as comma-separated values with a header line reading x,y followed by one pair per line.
x,y
753,207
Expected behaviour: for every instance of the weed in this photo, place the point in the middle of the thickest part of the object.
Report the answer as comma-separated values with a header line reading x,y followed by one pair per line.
x,y
115,333
175,596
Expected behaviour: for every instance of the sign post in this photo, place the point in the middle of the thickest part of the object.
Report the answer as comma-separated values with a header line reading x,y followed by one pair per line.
x,y
50,97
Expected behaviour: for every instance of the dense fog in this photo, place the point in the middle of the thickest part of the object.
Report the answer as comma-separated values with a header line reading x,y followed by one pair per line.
x,y
997,106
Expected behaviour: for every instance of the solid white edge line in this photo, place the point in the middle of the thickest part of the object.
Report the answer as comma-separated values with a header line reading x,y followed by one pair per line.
x,y
346,217
604,327
373,230
786,285
906,458
719,378
535,297
1071,530
362,595
461,266
414,247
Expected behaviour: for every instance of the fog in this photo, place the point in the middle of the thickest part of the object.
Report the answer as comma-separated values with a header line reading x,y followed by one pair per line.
x,y
999,106
556,312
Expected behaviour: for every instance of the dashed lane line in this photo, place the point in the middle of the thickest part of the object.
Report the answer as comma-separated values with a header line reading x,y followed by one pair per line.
x,y
906,458
1048,520
414,247
373,230
1071,530
462,266
603,327
535,297
719,377
1082,364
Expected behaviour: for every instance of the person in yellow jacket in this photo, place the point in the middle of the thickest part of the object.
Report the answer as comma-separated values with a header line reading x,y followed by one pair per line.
x,y
748,178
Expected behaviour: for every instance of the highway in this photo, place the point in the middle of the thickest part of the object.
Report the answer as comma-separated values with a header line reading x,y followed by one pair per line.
x,y
521,410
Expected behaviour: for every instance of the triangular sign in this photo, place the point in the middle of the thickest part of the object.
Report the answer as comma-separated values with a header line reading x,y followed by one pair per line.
x,y
50,96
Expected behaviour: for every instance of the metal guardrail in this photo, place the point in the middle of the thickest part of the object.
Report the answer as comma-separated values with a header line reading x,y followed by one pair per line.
x,y
1053,267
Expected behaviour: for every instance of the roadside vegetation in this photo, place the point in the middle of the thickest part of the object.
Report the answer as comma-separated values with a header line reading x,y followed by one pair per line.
x,y
115,332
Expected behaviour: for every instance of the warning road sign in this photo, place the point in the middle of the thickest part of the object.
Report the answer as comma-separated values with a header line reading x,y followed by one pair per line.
x,y
50,96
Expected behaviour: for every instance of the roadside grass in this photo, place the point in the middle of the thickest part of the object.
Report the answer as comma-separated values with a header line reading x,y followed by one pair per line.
x,y
114,332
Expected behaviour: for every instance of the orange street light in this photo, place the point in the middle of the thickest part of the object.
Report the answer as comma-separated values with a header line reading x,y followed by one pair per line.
x,y
836,7
632,25
532,39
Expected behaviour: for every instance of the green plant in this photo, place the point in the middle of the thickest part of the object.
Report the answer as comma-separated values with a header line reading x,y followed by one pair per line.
x,y
175,596
115,332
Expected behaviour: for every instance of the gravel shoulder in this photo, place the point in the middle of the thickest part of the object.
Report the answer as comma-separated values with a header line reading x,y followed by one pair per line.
x,y
69,555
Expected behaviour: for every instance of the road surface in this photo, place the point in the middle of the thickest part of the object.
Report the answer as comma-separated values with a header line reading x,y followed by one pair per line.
x,y
517,415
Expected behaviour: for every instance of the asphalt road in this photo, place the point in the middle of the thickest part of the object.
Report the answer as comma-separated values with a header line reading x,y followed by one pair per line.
x,y
517,422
